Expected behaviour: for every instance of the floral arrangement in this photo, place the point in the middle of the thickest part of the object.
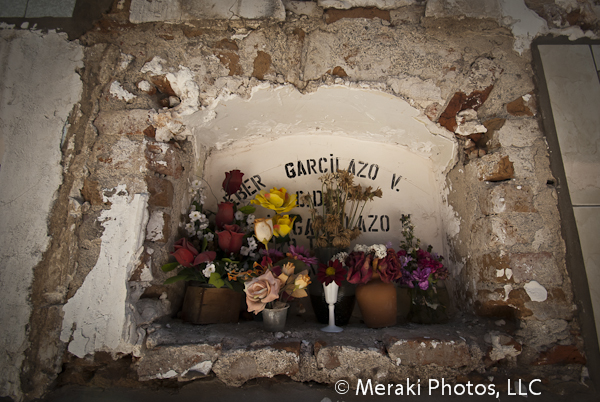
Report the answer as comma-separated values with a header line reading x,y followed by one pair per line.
x,y
409,266
424,267
220,252
278,282
336,224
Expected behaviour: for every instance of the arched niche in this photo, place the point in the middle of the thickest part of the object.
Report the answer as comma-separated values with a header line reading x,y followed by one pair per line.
x,y
281,138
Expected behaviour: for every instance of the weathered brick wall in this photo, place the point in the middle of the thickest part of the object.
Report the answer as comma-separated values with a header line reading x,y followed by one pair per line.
x,y
505,251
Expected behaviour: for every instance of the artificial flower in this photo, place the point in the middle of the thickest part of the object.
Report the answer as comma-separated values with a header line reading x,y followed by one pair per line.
x,y
260,291
263,229
301,254
184,252
390,267
333,272
232,182
359,267
210,268
282,225
206,256
225,214
277,200
231,239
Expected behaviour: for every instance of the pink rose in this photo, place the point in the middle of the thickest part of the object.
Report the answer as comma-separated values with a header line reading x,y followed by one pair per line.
x,y
260,291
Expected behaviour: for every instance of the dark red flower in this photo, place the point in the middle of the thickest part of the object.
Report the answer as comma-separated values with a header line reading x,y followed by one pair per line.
x,y
333,272
359,267
390,267
232,182
206,256
225,214
184,252
231,238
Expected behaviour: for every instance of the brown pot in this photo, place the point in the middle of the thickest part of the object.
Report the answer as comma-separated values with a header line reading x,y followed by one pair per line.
x,y
377,303
209,305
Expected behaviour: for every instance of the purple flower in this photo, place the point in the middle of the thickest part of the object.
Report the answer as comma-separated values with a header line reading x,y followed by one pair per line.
x,y
302,254
421,276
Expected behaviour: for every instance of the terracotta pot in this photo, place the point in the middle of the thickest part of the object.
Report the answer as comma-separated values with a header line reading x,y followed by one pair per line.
x,y
377,303
205,304
345,297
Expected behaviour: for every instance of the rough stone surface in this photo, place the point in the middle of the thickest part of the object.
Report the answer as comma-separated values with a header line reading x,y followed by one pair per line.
x,y
34,111
181,362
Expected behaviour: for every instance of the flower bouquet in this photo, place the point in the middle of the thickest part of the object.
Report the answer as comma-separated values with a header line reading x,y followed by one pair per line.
x,y
219,249
422,271
278,282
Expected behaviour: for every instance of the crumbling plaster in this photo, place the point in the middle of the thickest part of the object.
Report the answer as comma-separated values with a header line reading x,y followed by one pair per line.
x,y
420,57
33,121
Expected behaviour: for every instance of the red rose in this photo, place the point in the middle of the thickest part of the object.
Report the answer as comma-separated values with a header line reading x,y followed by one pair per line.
x,y
184,252
359,267
225,214
232,182
230,239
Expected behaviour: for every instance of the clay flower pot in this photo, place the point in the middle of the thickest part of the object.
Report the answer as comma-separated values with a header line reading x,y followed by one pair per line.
x,y
377,302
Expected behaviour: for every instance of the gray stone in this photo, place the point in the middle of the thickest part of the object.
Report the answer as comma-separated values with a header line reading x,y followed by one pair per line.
x,y
183,362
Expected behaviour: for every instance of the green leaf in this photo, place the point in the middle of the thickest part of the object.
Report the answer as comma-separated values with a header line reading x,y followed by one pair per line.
x,y
216,280
174,279
204,244
169,266
248,209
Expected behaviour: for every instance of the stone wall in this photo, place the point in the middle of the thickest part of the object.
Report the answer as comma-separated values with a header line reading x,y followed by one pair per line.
x,y
130,158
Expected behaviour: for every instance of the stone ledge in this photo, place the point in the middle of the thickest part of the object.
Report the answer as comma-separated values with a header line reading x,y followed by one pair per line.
x,y
236,353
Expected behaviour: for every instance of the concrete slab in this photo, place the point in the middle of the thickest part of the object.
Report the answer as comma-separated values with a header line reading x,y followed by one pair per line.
x,y
380,4
12,8
50,8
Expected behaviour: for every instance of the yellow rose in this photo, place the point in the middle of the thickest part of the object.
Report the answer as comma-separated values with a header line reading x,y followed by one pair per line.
x,y
277,200
302,280
263,229
282,225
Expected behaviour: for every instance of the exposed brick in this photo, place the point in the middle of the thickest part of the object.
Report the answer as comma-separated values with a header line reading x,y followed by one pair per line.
x,y
421,351
292,347
520,107
262,63
540,267
91,192
162,83
459,102
328,358
490,265
161,192
226,44
164,159
332,15
125,122
493,304
560,354
496,168
339,71
506,198
231,61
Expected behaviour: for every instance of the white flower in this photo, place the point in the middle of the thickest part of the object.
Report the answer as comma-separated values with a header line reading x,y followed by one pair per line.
x,y
250,219
210,268
244,250
251,243
190,228
195,215
361,247
209,236
380,250
196,184
341,257
239,215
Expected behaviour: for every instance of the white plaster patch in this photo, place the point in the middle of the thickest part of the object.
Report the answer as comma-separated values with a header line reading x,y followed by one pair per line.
x,y
536,292
202,367
144,86
154,230
97,317
121,93
124,61
507,290
509,273
184,86
154,66
524,23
